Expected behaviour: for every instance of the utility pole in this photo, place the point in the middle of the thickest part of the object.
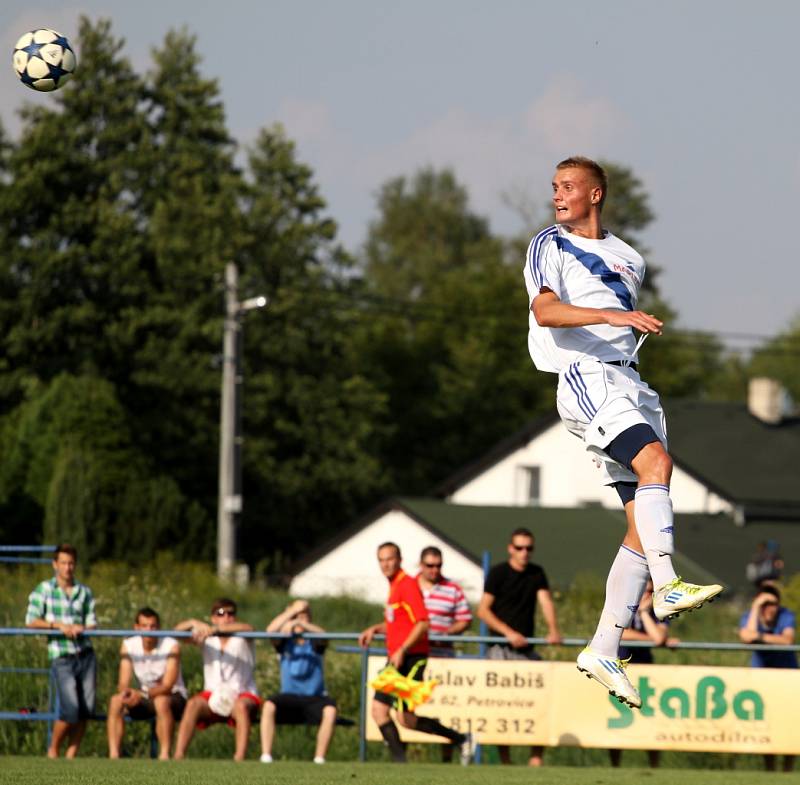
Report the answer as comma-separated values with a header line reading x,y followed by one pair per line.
x,y
229,504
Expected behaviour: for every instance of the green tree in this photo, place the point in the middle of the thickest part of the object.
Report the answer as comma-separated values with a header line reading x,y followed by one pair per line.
x,y
311,418
778,359
113,275
192,225
444,334
680,364
70,453
627,210
71,241
70,269
677,363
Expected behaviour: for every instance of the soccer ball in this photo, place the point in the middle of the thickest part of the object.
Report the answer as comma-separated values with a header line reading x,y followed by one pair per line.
x,y
43,59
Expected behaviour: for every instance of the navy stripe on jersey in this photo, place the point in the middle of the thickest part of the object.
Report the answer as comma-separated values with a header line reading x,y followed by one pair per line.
x,y
534,254
597,266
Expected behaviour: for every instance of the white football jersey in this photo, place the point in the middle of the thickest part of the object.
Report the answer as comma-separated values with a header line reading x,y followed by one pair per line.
x,y
605,273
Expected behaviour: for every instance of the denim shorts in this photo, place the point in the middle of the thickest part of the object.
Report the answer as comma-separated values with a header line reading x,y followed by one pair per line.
x,y
75,676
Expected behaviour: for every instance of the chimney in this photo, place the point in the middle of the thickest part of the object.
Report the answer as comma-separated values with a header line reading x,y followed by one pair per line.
x,y
767,400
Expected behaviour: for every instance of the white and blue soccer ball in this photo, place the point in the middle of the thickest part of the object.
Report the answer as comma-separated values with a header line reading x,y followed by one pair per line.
x,y
43,59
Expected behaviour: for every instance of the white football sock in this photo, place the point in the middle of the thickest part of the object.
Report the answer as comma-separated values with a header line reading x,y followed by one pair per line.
x,y
652,511
626,581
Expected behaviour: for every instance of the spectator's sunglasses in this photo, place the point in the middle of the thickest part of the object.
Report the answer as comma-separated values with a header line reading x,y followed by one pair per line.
x,y
224,612
437,565
521,547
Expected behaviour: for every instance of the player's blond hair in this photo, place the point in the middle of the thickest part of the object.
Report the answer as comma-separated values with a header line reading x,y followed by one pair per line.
x,y
592,167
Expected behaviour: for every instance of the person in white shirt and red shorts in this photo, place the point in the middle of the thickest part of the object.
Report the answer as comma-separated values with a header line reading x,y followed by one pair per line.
x,y
229,689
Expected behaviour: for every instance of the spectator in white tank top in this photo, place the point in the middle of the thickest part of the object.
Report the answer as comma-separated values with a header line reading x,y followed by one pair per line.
x,y
156,664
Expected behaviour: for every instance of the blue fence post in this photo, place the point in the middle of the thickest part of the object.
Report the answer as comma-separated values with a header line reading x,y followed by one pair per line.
x,y
362,710
483,630
53,704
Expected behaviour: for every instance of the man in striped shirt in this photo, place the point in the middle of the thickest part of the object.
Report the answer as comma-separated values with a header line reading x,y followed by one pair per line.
x,y
68,606
448,610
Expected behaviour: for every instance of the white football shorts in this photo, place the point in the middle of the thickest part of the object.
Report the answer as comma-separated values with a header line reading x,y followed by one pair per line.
x,y
598,401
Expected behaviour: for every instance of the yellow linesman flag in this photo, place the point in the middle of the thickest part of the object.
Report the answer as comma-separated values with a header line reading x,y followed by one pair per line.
x,y
408,691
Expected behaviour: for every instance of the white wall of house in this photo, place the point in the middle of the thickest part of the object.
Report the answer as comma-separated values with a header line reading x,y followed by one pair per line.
x,y
567,477
352,568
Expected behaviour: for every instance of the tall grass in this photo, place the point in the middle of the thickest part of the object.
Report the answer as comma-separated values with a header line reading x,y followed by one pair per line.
x,y
182,590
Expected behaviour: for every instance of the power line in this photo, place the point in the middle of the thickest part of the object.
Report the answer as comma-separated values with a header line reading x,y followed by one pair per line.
x,y
369,303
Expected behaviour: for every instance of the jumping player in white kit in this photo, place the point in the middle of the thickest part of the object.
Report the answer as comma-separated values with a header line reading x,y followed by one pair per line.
x,y
583,285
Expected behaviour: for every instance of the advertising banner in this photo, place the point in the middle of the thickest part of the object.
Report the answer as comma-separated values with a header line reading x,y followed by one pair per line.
x,y
691,708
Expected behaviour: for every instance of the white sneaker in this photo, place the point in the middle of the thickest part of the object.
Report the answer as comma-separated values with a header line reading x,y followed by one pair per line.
x,y
319,760
678,596
266,758
610,672
466,749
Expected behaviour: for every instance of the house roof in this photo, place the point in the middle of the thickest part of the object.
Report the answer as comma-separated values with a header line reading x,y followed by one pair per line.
x,y
569,541
720,444
740,457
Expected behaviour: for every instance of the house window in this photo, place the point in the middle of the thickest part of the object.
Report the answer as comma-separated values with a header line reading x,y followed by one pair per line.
x,y
531,485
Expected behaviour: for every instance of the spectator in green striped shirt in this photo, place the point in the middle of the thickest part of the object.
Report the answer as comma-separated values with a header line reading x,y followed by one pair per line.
x,y
68,606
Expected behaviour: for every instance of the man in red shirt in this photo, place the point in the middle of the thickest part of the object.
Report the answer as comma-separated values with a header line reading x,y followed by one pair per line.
x,y
405,625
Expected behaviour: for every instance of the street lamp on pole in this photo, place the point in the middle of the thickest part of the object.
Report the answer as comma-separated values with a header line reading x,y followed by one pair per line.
x,y
229,503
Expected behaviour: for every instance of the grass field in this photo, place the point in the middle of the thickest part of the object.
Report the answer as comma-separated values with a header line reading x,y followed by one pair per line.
x,y
38,771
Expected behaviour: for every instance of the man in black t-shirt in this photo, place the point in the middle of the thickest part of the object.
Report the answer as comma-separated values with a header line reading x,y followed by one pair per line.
x,y
508,607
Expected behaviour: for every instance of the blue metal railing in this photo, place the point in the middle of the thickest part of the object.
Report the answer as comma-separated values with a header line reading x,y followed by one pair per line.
x,y
481,640
4,549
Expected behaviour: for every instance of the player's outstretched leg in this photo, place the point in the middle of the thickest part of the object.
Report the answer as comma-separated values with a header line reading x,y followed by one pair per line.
x,y
626,582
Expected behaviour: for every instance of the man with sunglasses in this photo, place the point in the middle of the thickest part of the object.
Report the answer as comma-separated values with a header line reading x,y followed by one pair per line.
x,y
229,689
508,606
448,609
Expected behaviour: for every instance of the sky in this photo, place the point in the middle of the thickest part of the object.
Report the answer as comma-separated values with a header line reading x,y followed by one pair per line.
x,y
699,99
